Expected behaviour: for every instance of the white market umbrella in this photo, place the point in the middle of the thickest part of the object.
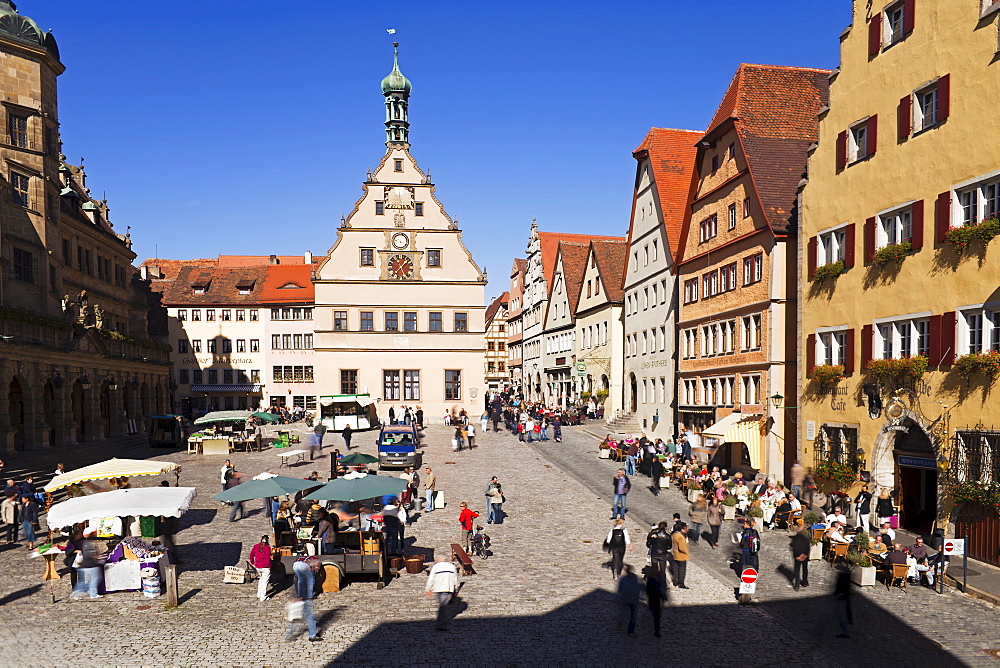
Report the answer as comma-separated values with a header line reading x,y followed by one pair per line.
x,y
155,501
112,468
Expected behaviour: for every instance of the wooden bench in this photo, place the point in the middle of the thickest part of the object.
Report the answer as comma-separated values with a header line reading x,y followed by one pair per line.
x,y
458,554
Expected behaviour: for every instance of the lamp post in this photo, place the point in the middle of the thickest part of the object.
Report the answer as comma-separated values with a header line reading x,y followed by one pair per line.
x,y
776,400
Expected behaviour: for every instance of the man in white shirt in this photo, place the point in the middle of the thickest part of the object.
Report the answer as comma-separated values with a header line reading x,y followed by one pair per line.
x,y
835,534
795,503
888,535
470,432
224,474
442,582
836,516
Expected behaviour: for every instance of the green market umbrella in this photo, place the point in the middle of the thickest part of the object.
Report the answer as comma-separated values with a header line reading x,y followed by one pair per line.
x,y
265,489
265,416
223,416
357,488
356,459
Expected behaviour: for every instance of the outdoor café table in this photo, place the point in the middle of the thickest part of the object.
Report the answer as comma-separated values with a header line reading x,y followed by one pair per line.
x,y
299,454
50,562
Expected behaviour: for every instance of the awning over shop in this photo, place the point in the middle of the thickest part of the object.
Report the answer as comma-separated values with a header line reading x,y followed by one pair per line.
x,y
734,428
112,468
155,501
228,389
360,399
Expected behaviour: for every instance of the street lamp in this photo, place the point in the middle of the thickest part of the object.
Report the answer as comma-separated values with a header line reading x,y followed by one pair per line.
x,y
943,463
776,400
860,454
112,384
85,382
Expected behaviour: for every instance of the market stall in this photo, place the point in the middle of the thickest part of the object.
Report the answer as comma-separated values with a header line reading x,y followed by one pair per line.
x,y
112,468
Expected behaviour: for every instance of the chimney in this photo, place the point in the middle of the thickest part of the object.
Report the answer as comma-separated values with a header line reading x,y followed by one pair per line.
x,y
308,257
154,271
143,272
273,259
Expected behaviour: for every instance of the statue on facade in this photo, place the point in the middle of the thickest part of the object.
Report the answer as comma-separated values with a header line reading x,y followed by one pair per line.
x,y
98,316
399,219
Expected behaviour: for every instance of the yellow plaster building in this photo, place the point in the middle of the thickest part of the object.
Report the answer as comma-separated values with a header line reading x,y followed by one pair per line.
x,y
905,169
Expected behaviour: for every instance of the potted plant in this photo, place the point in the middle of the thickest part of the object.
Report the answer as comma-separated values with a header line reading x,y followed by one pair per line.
x,y
809,518
694,489
757,515
892,253
827,375
601,395
729,507
987,364
604,450
862,570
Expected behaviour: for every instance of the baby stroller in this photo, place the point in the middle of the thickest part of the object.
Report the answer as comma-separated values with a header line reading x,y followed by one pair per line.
x,y
479,543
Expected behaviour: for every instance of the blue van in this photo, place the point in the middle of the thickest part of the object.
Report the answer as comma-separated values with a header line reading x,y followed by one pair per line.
x,y
397,446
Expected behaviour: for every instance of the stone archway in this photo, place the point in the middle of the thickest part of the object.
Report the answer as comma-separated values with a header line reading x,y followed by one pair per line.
x,y
907,447
16,407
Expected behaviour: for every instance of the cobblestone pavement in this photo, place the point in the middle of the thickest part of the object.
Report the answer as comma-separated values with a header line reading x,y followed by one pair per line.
x,y
964,628
544,597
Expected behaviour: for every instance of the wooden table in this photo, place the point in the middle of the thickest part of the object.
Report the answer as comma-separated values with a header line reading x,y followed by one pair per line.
x,y
51,573
300,454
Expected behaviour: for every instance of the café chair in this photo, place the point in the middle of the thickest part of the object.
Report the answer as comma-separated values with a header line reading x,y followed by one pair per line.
x,y
899,573
837,551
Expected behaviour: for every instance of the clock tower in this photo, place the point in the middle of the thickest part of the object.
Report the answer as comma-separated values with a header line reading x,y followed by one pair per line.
x,y
399,299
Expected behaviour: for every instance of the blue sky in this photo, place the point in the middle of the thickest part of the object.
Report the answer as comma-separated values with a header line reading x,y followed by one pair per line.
x,y
246,127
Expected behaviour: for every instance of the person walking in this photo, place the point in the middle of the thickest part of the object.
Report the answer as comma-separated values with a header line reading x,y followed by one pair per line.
x,y
494,497
797,475
392,415
714,514
863,507
808,488
616,543
465,518
235,479
88,571
258,436
29,517
470,432
8,514
621,487
659,543
698,512
305,569
320,431
629,593
442,583
749,546
224,474
883,507
420,417
656,594
800,553
347,433
682,554
301,610
557,429
430,481
315,444
842,601
260,558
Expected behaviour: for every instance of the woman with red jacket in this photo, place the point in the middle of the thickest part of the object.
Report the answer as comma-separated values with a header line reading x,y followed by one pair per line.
x,y
465,519
260,557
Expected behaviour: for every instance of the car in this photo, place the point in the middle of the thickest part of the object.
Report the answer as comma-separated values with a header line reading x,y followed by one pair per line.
x,y
398,446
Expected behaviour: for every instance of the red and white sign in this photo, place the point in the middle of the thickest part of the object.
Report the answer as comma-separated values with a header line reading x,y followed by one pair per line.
x,y
954,546
749,576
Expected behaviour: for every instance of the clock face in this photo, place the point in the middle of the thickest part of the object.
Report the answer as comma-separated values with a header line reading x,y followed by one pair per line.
x,y
400,266
400,241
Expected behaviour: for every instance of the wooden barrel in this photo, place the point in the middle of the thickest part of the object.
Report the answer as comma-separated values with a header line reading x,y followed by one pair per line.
x,y
370,546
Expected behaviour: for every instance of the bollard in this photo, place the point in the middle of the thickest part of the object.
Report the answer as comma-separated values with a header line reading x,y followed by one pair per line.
x,y
171,578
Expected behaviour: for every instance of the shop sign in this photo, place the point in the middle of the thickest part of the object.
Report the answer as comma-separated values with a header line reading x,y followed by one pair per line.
x,y
918,462
810,430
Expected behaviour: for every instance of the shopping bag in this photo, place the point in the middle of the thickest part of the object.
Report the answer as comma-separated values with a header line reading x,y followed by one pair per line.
x,y
294,610
894,521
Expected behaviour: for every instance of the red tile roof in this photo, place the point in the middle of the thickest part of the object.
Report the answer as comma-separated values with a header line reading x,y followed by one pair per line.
x,y
612,256
170,268
495,305
261,260
520,264
574,263
221,285
280,281
671,155
549,242
775,111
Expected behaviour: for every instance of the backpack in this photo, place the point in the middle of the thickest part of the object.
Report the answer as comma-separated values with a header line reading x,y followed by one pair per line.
x,y
750,540
617,540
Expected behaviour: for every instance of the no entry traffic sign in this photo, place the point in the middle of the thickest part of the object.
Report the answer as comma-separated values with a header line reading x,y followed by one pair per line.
x,y
954,546
749,576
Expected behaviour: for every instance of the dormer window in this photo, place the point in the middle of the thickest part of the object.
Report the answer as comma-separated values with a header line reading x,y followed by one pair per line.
x,y
290,286
200,288
244,286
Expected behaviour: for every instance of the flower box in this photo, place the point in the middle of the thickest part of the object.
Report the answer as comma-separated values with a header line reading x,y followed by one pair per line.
x,y
863,576
816,552
664,482
604,453
960,238
827,271
827,375
729,513
904,368
987,364
893,253
693,495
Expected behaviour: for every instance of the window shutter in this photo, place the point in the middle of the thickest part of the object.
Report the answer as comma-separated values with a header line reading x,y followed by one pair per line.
x,y
948,338
867,339
872,134
842,150
904,115
917,225
942,214
875,35
849,353
812,259
869,240
908,15
944,97
934,347
849,242
810,354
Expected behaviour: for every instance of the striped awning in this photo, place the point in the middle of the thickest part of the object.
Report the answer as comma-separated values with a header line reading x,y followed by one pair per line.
x,y
113,468
228,389
735,428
